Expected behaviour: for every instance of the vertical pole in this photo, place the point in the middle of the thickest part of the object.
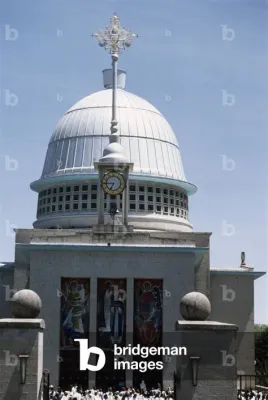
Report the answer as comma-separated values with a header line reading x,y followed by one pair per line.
x,y
114,64
129,326
93,324
101,199
125,201
114,136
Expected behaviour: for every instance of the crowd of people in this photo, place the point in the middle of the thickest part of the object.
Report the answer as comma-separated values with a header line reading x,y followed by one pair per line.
x,y
252,395
76,393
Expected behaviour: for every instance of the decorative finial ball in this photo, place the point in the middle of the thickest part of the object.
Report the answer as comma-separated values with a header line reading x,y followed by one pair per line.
x,y
195,306
26,304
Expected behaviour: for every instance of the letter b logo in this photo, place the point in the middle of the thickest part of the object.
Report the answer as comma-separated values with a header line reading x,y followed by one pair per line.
x,y
228,360
85,353
227,294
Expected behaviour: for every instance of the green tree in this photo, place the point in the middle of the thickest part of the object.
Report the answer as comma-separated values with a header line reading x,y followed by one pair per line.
x,y
261,353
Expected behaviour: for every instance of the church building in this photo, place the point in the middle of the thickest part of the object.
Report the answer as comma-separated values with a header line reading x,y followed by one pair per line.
x,y
112,250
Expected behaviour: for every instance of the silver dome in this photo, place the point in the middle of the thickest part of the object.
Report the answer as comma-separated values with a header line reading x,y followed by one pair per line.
x,y
158,198
83,133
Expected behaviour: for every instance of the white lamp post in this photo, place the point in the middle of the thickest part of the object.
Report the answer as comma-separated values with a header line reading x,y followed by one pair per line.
x,y
23,363
195,364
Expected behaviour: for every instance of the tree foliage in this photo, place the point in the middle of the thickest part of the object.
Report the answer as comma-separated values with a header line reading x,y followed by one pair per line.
x,y
261,353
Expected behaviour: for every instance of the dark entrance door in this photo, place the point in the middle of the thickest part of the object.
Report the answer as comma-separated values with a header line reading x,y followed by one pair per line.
x,y
70,373
108,376
152,378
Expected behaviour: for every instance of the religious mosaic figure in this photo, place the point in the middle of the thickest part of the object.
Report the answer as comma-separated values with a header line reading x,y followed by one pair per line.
x,y
111,311
117,321
148,311
105,308
74,310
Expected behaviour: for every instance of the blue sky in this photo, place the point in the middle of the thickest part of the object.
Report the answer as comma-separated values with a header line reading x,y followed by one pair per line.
x,y
183,63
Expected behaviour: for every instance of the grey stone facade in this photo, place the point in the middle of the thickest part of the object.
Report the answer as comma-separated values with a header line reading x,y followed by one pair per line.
x,y
216,373
6,290
20,336
43,257
233,300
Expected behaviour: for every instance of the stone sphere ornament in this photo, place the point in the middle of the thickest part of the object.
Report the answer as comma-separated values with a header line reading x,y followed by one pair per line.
x,y
26,304
195,306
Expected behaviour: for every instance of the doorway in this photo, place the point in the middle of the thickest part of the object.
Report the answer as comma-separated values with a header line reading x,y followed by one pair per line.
x,y
70,373
151,378
109,377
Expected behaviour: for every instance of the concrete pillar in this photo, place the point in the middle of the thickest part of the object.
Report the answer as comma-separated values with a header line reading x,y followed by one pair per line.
x,y
93,324
21,277
129,325
51,315
211,347
202,276
21,337
172,293
202,266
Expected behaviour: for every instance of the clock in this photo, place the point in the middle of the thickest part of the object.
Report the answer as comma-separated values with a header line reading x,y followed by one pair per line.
x,y
113,183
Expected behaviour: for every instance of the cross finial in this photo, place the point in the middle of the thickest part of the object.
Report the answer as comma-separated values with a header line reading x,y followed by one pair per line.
x,y
114,37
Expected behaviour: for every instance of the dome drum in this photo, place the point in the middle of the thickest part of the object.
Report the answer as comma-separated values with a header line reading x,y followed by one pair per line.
x,y
139,221
148,202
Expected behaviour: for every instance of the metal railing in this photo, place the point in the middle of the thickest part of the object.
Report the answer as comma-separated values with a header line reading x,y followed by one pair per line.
x,y
246,382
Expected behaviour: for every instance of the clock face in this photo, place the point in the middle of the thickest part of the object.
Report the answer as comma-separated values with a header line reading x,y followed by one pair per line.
x,y
113,183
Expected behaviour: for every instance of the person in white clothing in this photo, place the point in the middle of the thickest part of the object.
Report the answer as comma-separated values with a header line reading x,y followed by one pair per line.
x,y
143,386
66,396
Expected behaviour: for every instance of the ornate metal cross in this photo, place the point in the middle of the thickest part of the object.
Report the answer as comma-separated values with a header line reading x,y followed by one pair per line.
x,y
114,37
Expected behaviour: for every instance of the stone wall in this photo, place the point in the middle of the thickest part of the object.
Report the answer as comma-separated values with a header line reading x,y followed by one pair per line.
x,y
20,336
232,301
180,271
6,290
216,378
47,268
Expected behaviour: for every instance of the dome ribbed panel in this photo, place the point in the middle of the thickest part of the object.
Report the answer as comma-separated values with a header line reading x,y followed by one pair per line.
x,y
166,148
148,125
152,159
126,146
154,127
173,160
97,149
145,168
83,132
160,159
71,153
46,167
135,153
78,159
123,126
58,154
88,147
